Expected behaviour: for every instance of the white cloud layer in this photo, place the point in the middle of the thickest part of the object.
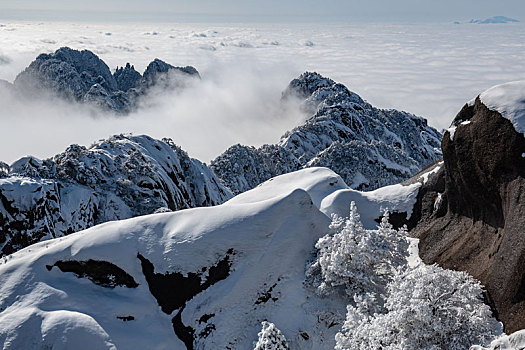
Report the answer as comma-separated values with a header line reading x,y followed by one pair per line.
x,y
427,69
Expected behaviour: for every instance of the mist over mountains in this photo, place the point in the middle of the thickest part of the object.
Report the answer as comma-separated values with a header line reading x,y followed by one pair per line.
x,y
126,176
424,69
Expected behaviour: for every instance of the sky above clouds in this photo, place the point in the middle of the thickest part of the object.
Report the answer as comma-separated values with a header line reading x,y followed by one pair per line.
x,y
256,10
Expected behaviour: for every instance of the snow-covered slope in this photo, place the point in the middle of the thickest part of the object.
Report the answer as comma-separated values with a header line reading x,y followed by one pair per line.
x,y
82,76
200,278
509,100
117,178
368,147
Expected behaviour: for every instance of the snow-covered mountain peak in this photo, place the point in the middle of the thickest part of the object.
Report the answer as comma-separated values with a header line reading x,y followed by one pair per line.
x,y
113,179
318,92
235,266
83,77
494,20
366,146
306,84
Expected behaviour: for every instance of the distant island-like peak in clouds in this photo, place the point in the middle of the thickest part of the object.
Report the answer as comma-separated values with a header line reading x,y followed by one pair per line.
x,y
494,19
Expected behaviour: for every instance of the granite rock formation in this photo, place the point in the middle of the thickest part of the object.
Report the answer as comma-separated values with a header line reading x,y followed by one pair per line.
x,y
470,215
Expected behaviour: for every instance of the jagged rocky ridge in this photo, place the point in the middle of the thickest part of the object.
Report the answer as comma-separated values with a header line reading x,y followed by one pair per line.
x,y
470,214
114,179
83,77
368,147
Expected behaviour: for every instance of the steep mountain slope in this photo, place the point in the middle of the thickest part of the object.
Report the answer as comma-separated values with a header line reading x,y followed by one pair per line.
x,y
200,278
368,147
470,215
82,76
114,179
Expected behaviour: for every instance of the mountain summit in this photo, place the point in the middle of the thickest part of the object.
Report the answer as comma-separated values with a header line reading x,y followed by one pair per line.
x,y
83,77
368,147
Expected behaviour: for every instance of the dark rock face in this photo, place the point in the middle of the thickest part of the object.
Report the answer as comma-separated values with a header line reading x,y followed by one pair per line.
x,y
114,179
126,77
173,290
368,147
103,273
4,169
83,77
471,215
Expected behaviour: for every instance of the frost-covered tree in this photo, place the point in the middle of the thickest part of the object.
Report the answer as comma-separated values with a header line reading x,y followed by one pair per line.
x,y
357,260
427,308
271,338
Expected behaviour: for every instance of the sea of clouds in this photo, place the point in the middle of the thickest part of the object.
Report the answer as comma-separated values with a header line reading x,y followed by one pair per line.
x,y
431,70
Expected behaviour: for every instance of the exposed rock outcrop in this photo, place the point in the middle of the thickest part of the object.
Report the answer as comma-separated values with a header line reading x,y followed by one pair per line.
x,y
470,215
126,77
367,146
161,73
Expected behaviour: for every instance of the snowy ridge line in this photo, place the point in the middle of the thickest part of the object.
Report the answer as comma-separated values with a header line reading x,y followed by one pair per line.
x,y
368,147
262,233
82,76
117,178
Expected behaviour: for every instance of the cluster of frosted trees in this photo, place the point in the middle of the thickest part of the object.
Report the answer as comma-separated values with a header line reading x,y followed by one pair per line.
x,y
392,304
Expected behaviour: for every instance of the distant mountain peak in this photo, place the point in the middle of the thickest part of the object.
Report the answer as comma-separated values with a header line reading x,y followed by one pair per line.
x,y
83,77
494,20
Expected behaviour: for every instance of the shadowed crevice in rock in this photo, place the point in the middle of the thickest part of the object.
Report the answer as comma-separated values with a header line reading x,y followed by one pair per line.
x,y
102,273
396,219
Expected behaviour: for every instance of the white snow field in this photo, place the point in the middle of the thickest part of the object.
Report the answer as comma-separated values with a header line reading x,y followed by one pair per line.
x,y
426,69
247,258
